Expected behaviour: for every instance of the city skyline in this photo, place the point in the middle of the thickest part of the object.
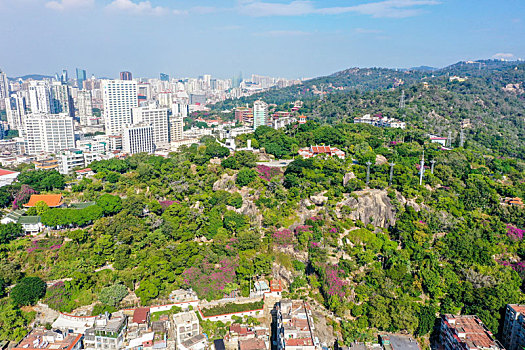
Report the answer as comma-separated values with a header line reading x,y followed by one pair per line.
x,y
291,39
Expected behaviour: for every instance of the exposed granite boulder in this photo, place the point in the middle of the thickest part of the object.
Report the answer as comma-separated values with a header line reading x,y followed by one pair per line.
x,y
348,176
371,206
319,199
380,160
226,183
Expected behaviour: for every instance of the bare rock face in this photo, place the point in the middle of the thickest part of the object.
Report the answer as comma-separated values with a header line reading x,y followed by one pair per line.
x,y
371,206
380,160
348,176
226,183
319,200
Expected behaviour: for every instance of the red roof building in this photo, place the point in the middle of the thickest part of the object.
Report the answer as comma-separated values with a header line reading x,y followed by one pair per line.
x,y
141,315
52,200
313,151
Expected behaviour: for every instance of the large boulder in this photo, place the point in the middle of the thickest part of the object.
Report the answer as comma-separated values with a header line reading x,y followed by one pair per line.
x,y
371,206
226,183
319,199
348,176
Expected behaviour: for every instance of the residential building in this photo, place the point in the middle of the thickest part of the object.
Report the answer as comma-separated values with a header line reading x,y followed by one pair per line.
x,y
74,158
260,114
126,76
398,342
75,324
252,344
380,121
4,85
15,109
31,224
186,326
119,97
52,200
61,100
295,326
466,332
46,164
176,127
158,119
81,78
514,327
302,119
107,333
138,139
40,97
244,115
197,342
85,107
48,133
443,141
7,177
314,151
43,339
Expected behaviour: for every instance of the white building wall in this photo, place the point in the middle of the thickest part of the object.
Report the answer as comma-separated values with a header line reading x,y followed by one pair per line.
x,y
119,97
138,139
48,133
156,117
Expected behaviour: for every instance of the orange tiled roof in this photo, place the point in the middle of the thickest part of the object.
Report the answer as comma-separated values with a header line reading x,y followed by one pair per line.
x,y
52,200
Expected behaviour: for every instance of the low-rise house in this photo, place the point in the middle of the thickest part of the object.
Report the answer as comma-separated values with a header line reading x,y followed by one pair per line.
x,y
43,339
197,342
313,151
82,173
252,344
107,333
7,177
146,340
186,326
52,200
31,224
295,326
13,217
73,324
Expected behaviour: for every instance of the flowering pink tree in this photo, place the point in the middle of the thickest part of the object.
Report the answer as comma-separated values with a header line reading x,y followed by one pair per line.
x,y
210,280
336,285
283,237
266,172
22,196
515,233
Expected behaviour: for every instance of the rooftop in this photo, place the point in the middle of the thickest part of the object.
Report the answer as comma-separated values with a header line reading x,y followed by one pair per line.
x,y
141,315
52,200
193,340
518,308
398,342
252,344
7,172
471,331
44,339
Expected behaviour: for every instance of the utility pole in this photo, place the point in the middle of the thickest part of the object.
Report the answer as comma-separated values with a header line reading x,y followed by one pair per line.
x,y
422,169
391,173
402,104
368,172
449,140
432,167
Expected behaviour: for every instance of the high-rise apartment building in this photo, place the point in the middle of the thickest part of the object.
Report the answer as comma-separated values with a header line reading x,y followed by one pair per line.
x,y
176,127
158,119
138,139
126,76
15,110
61,100
514,327
64,78
260,114
4,85
84,107
81,77
39,97
119,98
48,133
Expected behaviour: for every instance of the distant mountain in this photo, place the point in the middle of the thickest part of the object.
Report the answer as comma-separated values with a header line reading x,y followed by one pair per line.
x,y
424,69
33,77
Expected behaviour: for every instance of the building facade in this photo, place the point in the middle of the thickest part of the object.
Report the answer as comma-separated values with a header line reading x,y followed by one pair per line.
x,y
84,107
61,100
466,332
15,110
295,326
138,139
119,98
158,119
48,133
126,76
40,97
514,327
260,114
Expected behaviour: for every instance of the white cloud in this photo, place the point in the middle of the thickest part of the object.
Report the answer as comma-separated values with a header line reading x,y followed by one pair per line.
x,y
140,8
385,8
62,5
503,56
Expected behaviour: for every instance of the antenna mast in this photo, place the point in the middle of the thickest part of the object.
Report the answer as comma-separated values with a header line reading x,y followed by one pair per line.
x,y
422,169
368,172
391,173
402,104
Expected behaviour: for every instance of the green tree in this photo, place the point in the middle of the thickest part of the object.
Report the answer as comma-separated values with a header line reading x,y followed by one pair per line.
x,y
245,176
9,232
147,291
110,204
113,295
28,291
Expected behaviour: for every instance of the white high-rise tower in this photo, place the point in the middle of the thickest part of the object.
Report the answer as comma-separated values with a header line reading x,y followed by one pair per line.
x,y
119,96
260,113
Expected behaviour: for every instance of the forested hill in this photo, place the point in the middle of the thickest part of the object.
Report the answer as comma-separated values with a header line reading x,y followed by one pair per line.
x,y
371,79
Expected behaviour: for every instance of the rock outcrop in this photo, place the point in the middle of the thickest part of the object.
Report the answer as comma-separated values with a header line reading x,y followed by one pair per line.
x,y
348,176
226,183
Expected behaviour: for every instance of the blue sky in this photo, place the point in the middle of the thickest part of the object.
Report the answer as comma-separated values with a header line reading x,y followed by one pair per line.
x,y
288,38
